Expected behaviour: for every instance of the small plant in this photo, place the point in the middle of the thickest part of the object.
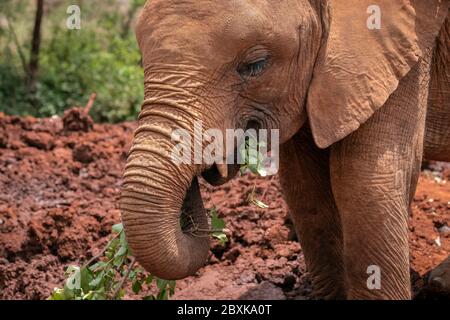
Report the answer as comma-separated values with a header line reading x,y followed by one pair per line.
x,y
105,275
253,158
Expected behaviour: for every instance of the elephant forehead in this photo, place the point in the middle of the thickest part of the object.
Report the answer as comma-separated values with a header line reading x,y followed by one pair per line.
x,y
202,10
202,24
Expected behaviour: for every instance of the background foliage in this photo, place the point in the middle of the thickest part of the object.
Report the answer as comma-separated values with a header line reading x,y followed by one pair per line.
x,y
102,57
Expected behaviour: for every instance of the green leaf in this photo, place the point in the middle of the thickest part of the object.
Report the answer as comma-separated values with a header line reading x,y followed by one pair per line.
x,y
120,294
243,154
139,270
123,240
253,168
117,228
100,294
132,275
253,156
121,252
262,144
149,279
161,284
162,295
89,296
222,237
98,279
172,285
262,172
216,222
252,142
118,261
68,293
73,282
71,269
86,278
57,294
98,265
137,287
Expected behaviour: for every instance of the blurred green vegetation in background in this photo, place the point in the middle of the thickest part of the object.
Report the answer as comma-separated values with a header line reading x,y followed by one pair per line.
x,y
102,57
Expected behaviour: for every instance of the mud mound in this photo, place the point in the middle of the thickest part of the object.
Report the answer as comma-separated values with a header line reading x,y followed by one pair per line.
x,y
76,119
58,200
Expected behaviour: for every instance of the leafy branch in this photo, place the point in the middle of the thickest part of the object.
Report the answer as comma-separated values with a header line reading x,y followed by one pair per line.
x,y
217,230
254,161
105,275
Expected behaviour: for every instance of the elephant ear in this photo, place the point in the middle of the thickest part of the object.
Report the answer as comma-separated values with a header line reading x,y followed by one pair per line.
x,y
358,67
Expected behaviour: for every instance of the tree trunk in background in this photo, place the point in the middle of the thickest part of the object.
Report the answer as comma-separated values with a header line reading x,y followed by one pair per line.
x,y
126,26
33,66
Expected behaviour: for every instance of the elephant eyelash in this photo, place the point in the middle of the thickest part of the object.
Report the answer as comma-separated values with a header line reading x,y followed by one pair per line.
x,y
253,69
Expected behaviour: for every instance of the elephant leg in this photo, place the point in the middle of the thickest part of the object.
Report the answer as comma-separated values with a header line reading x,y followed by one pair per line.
x,y
437,134
304,175
374,172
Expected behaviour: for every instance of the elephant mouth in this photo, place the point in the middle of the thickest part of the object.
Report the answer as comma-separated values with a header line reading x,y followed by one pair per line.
x,y
215,178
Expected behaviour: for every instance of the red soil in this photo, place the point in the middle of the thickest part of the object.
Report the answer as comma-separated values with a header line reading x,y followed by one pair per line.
x,y
58,201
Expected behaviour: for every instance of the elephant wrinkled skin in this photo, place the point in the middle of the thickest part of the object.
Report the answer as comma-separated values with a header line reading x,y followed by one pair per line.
x,y
358,108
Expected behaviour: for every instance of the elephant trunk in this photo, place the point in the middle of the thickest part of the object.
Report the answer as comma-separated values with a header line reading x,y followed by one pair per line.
x,y
161,205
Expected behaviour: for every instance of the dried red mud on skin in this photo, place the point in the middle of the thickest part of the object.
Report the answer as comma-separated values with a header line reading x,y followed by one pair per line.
x,y
58,200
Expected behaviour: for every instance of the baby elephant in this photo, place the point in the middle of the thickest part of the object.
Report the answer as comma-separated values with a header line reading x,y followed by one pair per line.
x,y
360,91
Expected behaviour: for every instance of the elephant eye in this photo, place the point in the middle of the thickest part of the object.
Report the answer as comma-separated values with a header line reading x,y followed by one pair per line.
x,y
252,69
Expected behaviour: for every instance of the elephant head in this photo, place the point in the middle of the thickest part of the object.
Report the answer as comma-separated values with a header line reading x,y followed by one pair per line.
x,y
242,64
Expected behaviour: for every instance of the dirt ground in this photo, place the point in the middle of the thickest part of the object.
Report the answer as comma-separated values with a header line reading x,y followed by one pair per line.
x,y
58,201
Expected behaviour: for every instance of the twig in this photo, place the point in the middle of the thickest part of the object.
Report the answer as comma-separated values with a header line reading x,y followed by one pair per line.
x,y
90,103
199,236
205,230
101,252
195,229
124,279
